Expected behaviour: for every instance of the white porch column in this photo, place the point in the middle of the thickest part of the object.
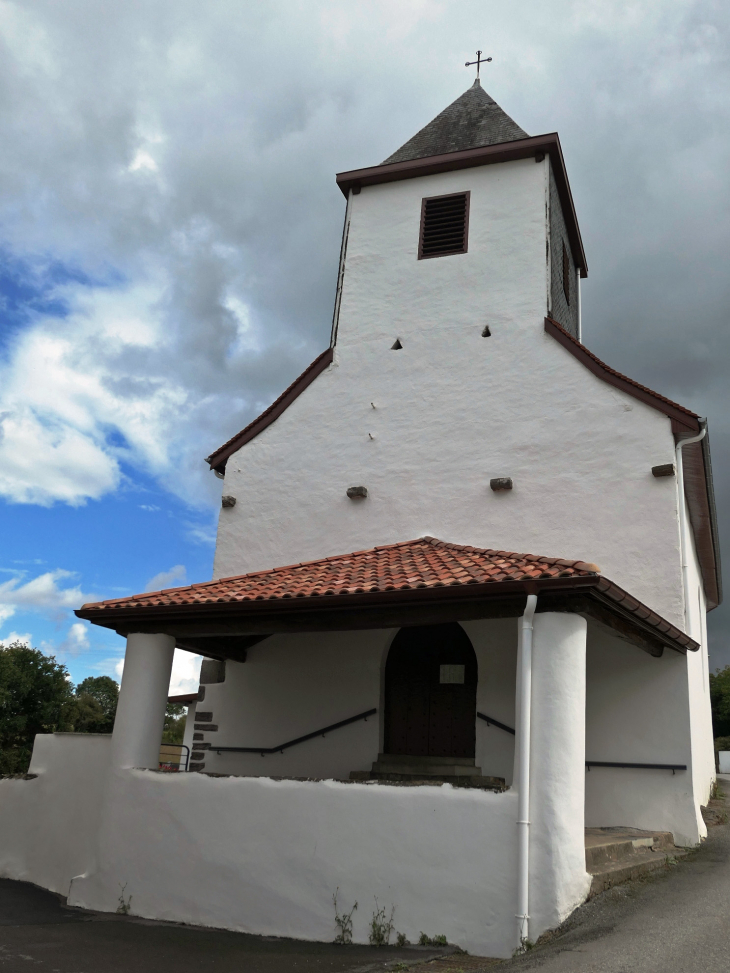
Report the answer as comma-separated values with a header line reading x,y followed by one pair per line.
x,y
558,879
142,700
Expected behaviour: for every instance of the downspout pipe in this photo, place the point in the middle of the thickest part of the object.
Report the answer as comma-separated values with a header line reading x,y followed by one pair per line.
x,y
523,779
683,540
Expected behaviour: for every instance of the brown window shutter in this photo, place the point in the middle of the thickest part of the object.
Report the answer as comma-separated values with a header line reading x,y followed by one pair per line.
x,y
444,225
566,274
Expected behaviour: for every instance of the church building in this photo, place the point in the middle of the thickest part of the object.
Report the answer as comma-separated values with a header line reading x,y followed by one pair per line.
x,y
456,630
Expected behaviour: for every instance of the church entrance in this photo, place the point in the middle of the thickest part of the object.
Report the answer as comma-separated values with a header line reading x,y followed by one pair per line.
x,y
431,692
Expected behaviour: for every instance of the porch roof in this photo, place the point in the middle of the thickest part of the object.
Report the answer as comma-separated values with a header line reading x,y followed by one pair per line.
x,y
414,582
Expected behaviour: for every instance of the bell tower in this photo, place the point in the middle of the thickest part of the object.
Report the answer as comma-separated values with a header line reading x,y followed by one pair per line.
x,y
470,222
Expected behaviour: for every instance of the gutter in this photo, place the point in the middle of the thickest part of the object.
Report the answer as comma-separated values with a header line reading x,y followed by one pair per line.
x,y
523,777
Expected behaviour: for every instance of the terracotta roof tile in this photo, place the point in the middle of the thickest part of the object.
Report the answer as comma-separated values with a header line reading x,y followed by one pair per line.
x,y
422,563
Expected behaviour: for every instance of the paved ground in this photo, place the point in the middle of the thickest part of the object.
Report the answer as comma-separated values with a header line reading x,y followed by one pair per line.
x,y
676,921
37,932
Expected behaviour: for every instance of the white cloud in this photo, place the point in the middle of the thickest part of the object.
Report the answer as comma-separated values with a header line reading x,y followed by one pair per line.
x,y
165,579
25,638
185,677
42,594
77,639
185,673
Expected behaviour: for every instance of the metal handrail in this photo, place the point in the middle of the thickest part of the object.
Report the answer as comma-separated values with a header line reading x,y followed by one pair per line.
x,y
594,763
291,743
490,722
182,747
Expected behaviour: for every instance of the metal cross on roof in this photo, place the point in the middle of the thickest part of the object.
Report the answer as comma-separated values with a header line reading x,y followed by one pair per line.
x,y
479,61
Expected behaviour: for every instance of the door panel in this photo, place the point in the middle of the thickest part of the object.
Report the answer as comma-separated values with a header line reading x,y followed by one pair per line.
x,y
425,716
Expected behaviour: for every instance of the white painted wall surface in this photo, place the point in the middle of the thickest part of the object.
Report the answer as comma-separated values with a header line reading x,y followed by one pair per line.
x,y
698,683
48,826
724,760
558,878
291,685
451,410
265,856
637,711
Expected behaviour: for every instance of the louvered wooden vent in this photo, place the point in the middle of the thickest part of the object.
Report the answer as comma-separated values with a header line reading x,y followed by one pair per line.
x,y
444,225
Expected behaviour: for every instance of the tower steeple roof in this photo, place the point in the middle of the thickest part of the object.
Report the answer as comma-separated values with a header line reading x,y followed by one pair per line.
x,y
472,121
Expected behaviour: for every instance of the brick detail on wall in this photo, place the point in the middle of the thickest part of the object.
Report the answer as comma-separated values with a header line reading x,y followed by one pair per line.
x,y
197,736
203,717
196,766
206,727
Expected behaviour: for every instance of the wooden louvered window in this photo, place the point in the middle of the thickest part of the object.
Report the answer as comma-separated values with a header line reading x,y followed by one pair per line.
x,y
444,225
566,274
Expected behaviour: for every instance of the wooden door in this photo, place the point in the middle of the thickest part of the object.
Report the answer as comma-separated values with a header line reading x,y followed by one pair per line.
x,y
431,692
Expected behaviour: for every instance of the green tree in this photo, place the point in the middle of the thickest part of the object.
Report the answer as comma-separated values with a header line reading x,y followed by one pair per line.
x,y
174,729
96,699
36,696
720,701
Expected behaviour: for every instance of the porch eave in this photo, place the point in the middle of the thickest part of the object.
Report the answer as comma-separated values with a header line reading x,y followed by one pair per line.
x,y
253,620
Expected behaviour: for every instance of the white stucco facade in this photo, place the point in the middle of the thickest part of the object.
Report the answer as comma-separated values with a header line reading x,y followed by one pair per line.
x,y
424,428
452,409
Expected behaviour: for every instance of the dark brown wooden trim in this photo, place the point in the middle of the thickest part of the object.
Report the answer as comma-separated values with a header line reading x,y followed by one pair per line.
x,y
698,484
548,144
688,421
451,253
386,609
217,460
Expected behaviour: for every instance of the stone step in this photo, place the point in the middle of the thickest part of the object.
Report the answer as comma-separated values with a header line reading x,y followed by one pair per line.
x,y
426,766
616,855
460,780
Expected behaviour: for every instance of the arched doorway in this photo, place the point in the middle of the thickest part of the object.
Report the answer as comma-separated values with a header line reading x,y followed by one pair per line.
x,y
431,692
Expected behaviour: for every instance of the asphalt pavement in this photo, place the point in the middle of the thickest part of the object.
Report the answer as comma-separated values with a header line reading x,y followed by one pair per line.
x,y
675,921
39,932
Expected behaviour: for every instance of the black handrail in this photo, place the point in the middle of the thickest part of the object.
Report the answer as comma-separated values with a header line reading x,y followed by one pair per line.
x,y
490,722
593,763
610,763
291,743
182,747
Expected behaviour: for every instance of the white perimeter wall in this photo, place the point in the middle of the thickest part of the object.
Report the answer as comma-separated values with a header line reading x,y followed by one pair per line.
x,y
49,825
451,410
291,685
637,711
263,856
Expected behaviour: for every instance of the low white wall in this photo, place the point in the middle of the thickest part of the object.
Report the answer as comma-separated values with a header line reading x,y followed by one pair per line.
x,y
48,825
291,685
724,759
637,711
264,856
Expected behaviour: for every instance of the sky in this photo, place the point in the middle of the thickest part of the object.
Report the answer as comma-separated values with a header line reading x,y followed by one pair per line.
x,y
170,230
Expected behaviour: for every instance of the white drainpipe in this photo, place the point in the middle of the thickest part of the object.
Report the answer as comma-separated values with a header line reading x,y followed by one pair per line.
x,y
683,543
523,782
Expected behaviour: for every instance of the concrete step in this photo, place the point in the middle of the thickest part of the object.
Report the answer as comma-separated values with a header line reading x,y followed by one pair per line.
x,y
485,783
616,855
426,766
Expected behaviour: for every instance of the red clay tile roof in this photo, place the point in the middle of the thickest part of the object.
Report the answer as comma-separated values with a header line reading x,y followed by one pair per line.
x,y
422,563
219,457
